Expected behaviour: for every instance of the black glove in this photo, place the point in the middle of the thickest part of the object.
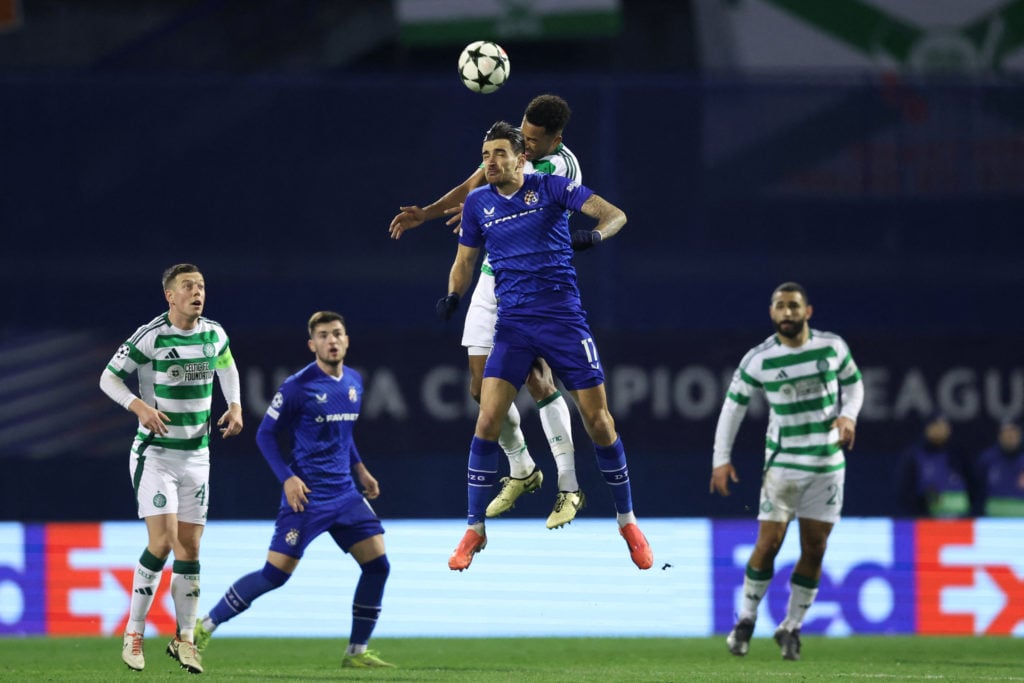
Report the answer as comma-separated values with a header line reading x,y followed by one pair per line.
x,y
585,239
446,305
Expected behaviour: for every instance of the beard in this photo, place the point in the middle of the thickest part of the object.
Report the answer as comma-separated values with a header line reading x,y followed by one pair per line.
x,y
329,361
790,329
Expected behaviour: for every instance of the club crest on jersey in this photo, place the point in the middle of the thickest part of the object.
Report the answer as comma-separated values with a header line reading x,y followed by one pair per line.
x,y
292,537
822,365
209,350
352,395
530,198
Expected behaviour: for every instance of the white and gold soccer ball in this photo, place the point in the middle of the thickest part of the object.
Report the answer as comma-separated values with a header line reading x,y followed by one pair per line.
x,y
484,66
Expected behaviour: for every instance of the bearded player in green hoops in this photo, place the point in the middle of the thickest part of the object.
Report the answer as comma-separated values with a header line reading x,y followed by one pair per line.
x,y
815,392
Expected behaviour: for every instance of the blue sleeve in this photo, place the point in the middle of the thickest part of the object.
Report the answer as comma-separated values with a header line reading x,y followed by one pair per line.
x,y
567,192
266,439
277,415
469,233
353,454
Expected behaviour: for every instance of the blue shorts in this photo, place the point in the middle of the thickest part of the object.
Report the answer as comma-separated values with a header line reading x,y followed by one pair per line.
x,y
566,343
354,521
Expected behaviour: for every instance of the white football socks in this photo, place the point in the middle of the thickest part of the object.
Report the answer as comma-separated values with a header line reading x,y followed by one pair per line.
x,y
185,591
753,592
557,424
144,588
512,441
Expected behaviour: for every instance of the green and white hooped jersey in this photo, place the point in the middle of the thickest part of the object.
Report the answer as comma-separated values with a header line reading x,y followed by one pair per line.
x,y
176,370
802,389
560,162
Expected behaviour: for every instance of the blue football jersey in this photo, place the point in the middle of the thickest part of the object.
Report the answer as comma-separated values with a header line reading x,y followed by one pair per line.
x,y
527,238
317,413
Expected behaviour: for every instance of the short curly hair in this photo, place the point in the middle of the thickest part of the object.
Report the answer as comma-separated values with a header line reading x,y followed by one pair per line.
x,y
550,112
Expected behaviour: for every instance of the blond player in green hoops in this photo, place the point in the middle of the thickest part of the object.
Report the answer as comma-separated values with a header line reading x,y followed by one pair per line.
x,y
176,356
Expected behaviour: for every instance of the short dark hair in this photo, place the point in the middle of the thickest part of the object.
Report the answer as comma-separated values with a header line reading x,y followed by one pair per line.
x,y
792,287
503,130
550,112
322,318
176,270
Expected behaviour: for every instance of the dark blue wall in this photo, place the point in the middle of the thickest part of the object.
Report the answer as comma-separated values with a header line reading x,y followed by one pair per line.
x,y
897,205
279,183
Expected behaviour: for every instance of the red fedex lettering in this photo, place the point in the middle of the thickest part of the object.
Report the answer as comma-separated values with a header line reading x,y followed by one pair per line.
x,y
933,576
1013,611
62,578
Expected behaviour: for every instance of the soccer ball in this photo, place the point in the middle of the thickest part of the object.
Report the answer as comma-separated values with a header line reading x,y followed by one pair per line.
x,y
483,66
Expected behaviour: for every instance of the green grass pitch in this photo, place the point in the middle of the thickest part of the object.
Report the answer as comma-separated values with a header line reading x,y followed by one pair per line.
x,y
858,658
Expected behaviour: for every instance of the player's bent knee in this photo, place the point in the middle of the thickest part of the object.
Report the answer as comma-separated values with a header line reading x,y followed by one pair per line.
x,y
159,547
186,551
378,565
769,547
277,577
488,427
601,428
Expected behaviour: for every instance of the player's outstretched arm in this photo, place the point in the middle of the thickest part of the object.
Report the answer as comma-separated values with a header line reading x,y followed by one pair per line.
x,y
413,216
409,217
455,220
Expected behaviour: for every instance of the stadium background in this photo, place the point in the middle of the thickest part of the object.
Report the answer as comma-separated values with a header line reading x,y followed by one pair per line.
x,y
873,153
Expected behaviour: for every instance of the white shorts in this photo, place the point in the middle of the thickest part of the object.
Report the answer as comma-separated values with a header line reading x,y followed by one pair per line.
x,y
481,317
172,485
787,493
